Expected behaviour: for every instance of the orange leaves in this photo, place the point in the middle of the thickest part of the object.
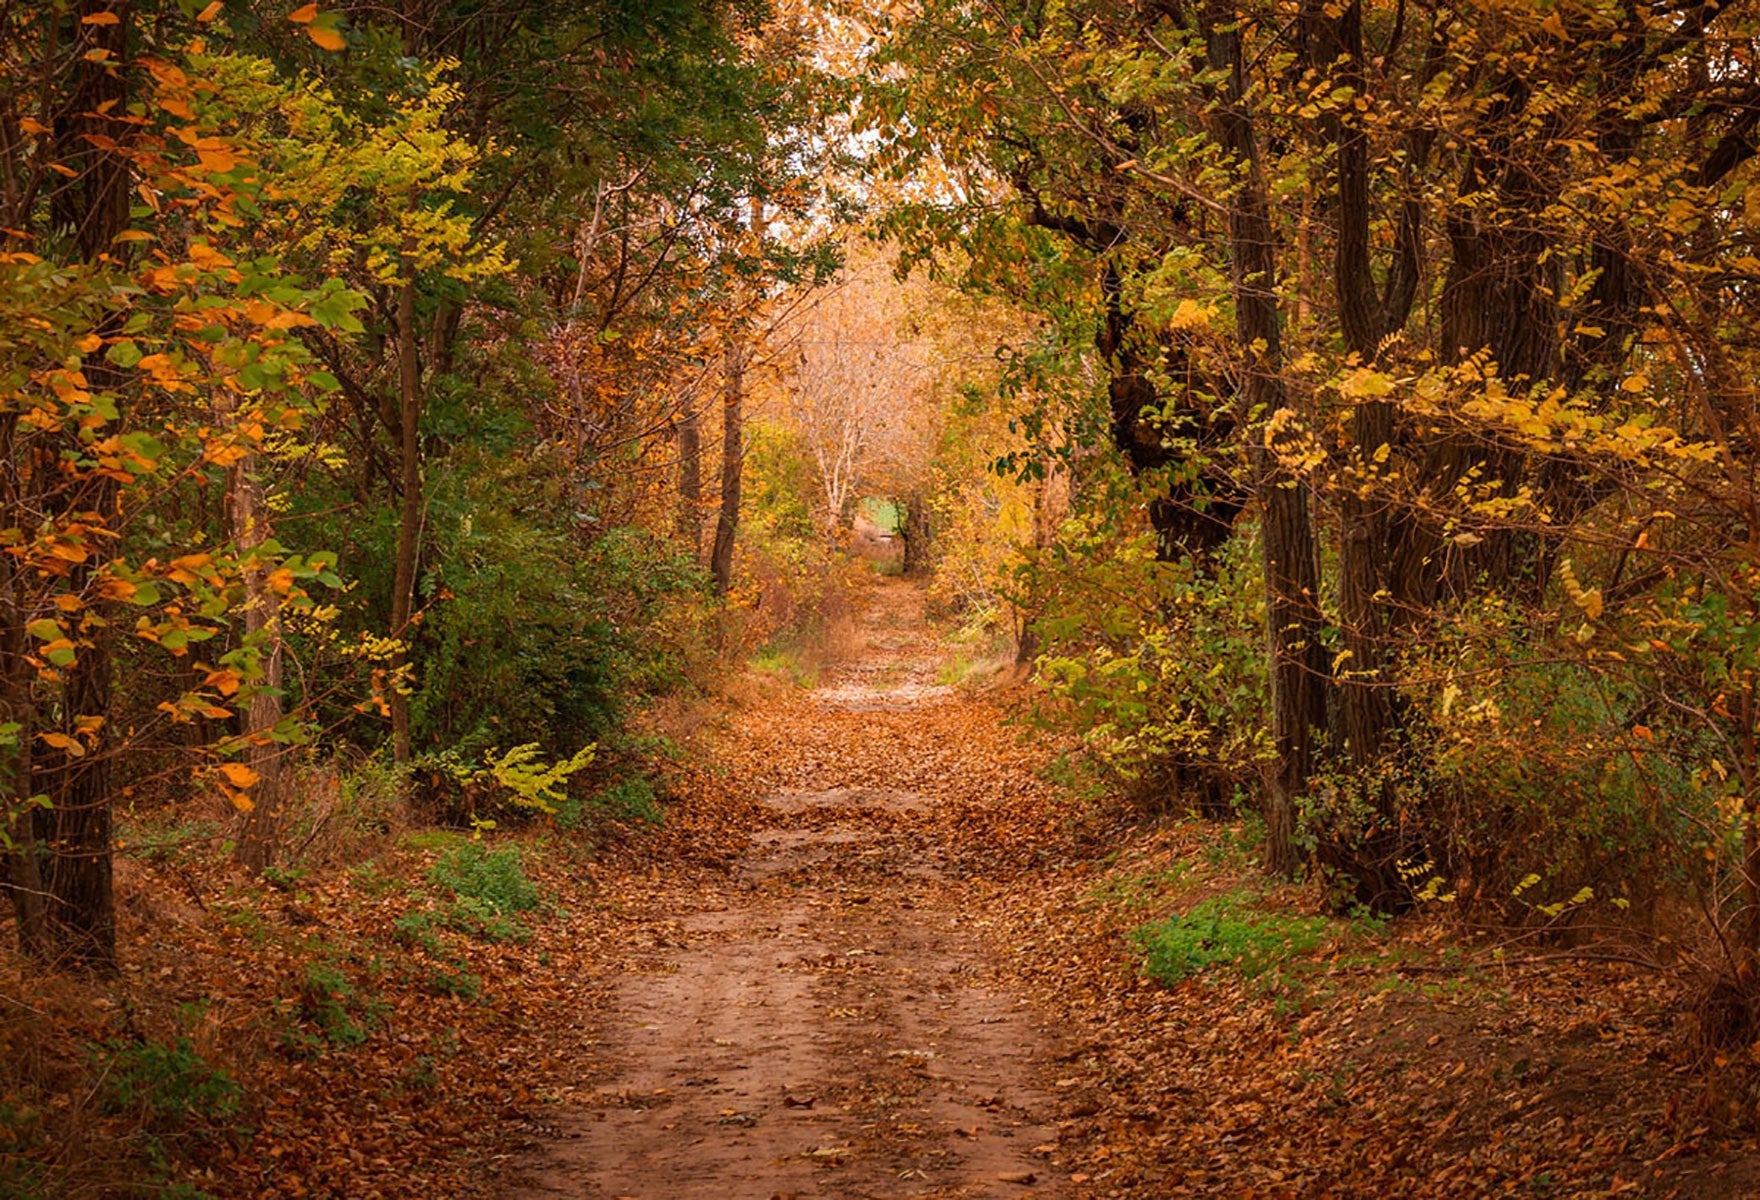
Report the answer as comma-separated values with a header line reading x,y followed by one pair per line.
x,y
192,568
100,18
238,775
205,257
64,743
225,454
225,680
322,28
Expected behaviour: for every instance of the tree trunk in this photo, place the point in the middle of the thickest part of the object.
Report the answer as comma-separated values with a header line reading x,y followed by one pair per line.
x,y
79,916
259,839
24,878
1290,562
732,462
914,528
80,902
690,484
403,583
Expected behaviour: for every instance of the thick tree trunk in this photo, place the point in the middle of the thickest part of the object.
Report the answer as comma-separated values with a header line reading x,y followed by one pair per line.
x,y
24,878
403,584
690,484
74,835
80,904
917,533
1299,675
732,463
259,839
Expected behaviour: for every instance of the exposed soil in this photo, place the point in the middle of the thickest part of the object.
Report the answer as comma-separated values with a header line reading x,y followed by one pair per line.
x,y
824,1023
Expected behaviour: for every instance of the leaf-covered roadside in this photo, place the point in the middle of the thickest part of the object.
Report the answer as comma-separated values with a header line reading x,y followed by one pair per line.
x,y
1390,1061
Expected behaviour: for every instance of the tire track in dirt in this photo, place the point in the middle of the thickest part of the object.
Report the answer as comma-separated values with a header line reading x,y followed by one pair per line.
x,y
827,1025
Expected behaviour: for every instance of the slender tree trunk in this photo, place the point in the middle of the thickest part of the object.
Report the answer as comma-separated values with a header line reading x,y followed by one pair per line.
x,y
733,433
732,462
1290,561
410,517
690,484
259,839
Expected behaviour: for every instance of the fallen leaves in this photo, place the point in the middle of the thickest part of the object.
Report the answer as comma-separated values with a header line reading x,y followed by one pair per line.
x,y
1433,1082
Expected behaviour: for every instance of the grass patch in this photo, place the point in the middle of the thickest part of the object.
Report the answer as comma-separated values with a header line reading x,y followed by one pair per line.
x,y
1230,932
434,839
786,663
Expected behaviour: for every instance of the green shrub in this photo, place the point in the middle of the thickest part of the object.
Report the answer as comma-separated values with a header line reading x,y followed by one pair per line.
x,y
330,1000
1159,666
460,985
1227,931
169,1086
492,881
1529,782
632,798
416,929
482,920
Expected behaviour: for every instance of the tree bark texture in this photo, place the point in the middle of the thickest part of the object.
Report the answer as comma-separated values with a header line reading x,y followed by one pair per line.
x,y
259,839
690,484
732,462
403,583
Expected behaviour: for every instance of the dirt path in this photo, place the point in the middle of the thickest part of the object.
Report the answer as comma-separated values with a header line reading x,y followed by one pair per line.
x,y
817,1015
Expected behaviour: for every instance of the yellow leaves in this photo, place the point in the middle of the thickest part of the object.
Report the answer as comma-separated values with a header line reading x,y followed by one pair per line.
x,y
1587,599
1554,25
1637,383
1190,314
280,581
1365,383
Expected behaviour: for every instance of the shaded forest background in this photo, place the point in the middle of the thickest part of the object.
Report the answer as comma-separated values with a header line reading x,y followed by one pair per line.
x,y
1345,411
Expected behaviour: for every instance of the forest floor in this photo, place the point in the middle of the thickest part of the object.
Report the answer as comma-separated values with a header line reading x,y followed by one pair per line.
x,y
885,944
887,956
